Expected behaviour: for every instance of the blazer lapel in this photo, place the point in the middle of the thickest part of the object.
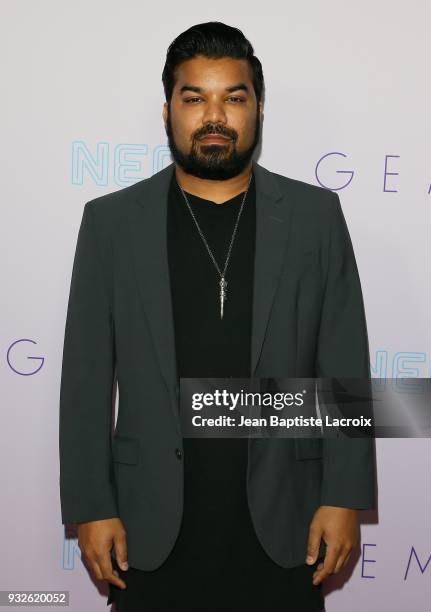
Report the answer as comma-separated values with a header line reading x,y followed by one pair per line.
x,y
149,245
272,228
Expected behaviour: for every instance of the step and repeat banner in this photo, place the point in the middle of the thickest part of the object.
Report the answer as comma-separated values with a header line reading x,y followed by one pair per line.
x,y
346,108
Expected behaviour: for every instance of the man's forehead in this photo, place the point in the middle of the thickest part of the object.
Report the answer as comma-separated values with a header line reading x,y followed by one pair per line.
x,y
199,70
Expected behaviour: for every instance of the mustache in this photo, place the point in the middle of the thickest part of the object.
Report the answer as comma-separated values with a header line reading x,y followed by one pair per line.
x,y
215,130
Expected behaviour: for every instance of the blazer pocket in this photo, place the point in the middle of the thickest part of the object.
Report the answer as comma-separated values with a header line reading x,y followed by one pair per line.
x,y
308,448
125,450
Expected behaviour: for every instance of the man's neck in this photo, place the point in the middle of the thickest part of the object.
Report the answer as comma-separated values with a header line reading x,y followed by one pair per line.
x,y
216,191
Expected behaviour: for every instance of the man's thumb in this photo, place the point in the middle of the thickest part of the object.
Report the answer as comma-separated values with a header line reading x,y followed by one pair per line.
x,y
313,546
121,551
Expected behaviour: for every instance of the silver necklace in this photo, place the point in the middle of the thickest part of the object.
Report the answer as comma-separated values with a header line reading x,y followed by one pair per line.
x,y
222,282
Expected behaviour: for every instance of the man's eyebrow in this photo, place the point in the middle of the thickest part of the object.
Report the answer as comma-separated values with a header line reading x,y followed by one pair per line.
x,y
229,89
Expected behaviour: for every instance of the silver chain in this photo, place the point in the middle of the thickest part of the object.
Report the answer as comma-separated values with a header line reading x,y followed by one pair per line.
x,y
223,284
222,274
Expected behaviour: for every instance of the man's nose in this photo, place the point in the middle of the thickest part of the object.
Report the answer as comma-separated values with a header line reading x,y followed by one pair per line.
x,y
214,113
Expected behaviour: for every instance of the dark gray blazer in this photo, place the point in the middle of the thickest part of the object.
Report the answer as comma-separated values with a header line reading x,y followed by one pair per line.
x,y
308,321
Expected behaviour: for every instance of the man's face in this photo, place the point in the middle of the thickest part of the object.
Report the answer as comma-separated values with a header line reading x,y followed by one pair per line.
x,y
213,97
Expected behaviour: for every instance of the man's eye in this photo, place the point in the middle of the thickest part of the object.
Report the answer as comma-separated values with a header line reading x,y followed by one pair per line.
x,y
196,98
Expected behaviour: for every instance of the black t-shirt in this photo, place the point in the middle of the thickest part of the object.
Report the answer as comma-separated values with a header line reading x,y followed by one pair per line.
x,y
217,562
207,345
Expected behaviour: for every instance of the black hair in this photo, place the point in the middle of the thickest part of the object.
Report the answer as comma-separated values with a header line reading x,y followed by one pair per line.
x,y
214,40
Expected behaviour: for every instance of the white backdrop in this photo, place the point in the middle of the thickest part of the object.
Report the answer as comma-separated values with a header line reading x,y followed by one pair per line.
x,y
347,107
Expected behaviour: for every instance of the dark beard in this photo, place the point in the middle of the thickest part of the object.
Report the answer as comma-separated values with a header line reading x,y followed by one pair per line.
x,y
213,163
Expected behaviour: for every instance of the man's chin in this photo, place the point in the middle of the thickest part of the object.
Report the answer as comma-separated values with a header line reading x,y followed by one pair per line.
x,y
216,162
222,150
213,173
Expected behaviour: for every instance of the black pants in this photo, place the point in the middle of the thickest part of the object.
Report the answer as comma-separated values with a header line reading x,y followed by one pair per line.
x,y
304,595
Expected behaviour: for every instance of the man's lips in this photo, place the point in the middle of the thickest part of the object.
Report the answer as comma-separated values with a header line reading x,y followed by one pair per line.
x,y
216,138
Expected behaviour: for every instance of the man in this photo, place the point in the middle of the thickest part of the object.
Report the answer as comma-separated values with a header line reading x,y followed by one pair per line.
x,y
214,267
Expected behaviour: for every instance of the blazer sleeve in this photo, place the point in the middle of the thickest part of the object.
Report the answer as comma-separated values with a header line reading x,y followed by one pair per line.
x,y
348,478
87,490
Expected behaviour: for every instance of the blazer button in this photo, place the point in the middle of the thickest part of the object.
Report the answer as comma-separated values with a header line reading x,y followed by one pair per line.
x,y
178,453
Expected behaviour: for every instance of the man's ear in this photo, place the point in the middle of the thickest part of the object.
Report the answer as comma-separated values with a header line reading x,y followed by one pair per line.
x,y
165,113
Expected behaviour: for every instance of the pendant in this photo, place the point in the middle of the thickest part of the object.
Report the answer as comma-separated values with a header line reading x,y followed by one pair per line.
x,y
223,285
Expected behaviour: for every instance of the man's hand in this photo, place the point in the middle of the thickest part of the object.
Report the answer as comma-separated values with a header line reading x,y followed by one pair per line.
x,y
95,539
339,529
